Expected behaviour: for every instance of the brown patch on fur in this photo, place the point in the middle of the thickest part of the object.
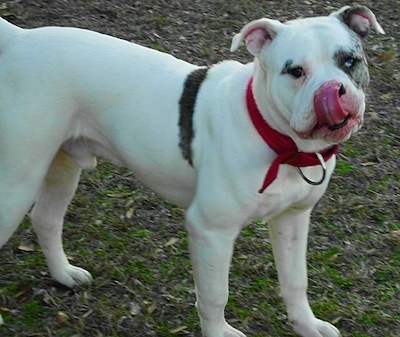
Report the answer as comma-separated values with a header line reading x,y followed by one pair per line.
x,y
187,105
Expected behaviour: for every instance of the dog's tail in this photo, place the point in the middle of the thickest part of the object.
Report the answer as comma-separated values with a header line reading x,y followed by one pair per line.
x,y
7,31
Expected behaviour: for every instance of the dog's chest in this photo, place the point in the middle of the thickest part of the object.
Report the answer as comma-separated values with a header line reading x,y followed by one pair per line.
x,y
290,192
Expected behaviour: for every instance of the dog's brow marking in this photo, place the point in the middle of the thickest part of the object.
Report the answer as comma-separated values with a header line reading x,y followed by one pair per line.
x,y
288,64
186,104
359,74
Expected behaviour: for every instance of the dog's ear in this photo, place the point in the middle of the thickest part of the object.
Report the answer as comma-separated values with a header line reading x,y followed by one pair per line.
x,y
359,19
257,34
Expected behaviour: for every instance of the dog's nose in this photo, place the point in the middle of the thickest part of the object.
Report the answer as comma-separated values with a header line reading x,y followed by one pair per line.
x,y
327,104
342,90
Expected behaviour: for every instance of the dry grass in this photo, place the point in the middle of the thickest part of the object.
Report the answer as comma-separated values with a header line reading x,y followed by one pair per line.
x,y
134,243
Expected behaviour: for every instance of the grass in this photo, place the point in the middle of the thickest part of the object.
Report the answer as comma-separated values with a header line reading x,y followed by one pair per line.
x,y
135,245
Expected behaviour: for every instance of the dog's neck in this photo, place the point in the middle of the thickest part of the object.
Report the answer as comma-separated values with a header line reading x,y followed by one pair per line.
x,y
282,145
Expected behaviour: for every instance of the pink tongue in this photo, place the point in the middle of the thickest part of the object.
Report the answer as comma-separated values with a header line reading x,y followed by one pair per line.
x,y
327,104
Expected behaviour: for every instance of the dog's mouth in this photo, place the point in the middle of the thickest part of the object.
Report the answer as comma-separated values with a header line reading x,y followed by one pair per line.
x,y
339,126
331,108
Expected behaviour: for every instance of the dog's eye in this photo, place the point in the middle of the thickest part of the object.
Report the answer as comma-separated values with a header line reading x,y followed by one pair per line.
x,y
349,63
296,72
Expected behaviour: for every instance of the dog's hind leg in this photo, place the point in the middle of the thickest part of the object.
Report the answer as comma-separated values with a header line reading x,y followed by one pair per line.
x,y
47,216
18,188
12,213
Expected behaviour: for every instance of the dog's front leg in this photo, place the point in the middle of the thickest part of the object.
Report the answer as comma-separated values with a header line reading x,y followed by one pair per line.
x,y
211,250
289,234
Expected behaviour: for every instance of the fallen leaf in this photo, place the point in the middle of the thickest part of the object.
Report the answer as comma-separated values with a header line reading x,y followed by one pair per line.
x,y
178,329
62,317
333,257
368,163
336,320
129,203
25,248
87,314
5,11
134,308
396,233
357,207
171,242
152,308
372,115
129,213
387,97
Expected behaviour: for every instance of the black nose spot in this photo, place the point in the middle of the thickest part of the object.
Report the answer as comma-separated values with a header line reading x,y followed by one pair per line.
x,y
342,90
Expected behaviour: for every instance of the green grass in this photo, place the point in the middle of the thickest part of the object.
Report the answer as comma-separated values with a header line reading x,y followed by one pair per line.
x,y
135,245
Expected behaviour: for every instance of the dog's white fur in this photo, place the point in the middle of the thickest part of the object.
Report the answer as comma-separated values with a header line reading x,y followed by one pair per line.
x,y
68,95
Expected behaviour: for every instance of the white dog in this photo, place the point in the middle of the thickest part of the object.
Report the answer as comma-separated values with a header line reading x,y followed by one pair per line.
x,y
231,143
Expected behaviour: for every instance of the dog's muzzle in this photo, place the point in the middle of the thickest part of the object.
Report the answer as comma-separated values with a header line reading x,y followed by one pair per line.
x,y
328,107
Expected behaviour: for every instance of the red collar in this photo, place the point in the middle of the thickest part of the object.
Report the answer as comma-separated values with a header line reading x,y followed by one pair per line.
x,y
284,146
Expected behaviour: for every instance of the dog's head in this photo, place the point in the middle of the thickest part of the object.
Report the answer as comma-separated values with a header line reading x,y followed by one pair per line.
x,y
310,74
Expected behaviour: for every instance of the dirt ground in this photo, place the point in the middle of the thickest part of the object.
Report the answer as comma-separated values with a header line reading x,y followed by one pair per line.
x,y
355,237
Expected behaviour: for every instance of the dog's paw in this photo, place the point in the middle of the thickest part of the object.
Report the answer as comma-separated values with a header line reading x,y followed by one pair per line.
x,y
212,330
72,276
318,328
230,331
